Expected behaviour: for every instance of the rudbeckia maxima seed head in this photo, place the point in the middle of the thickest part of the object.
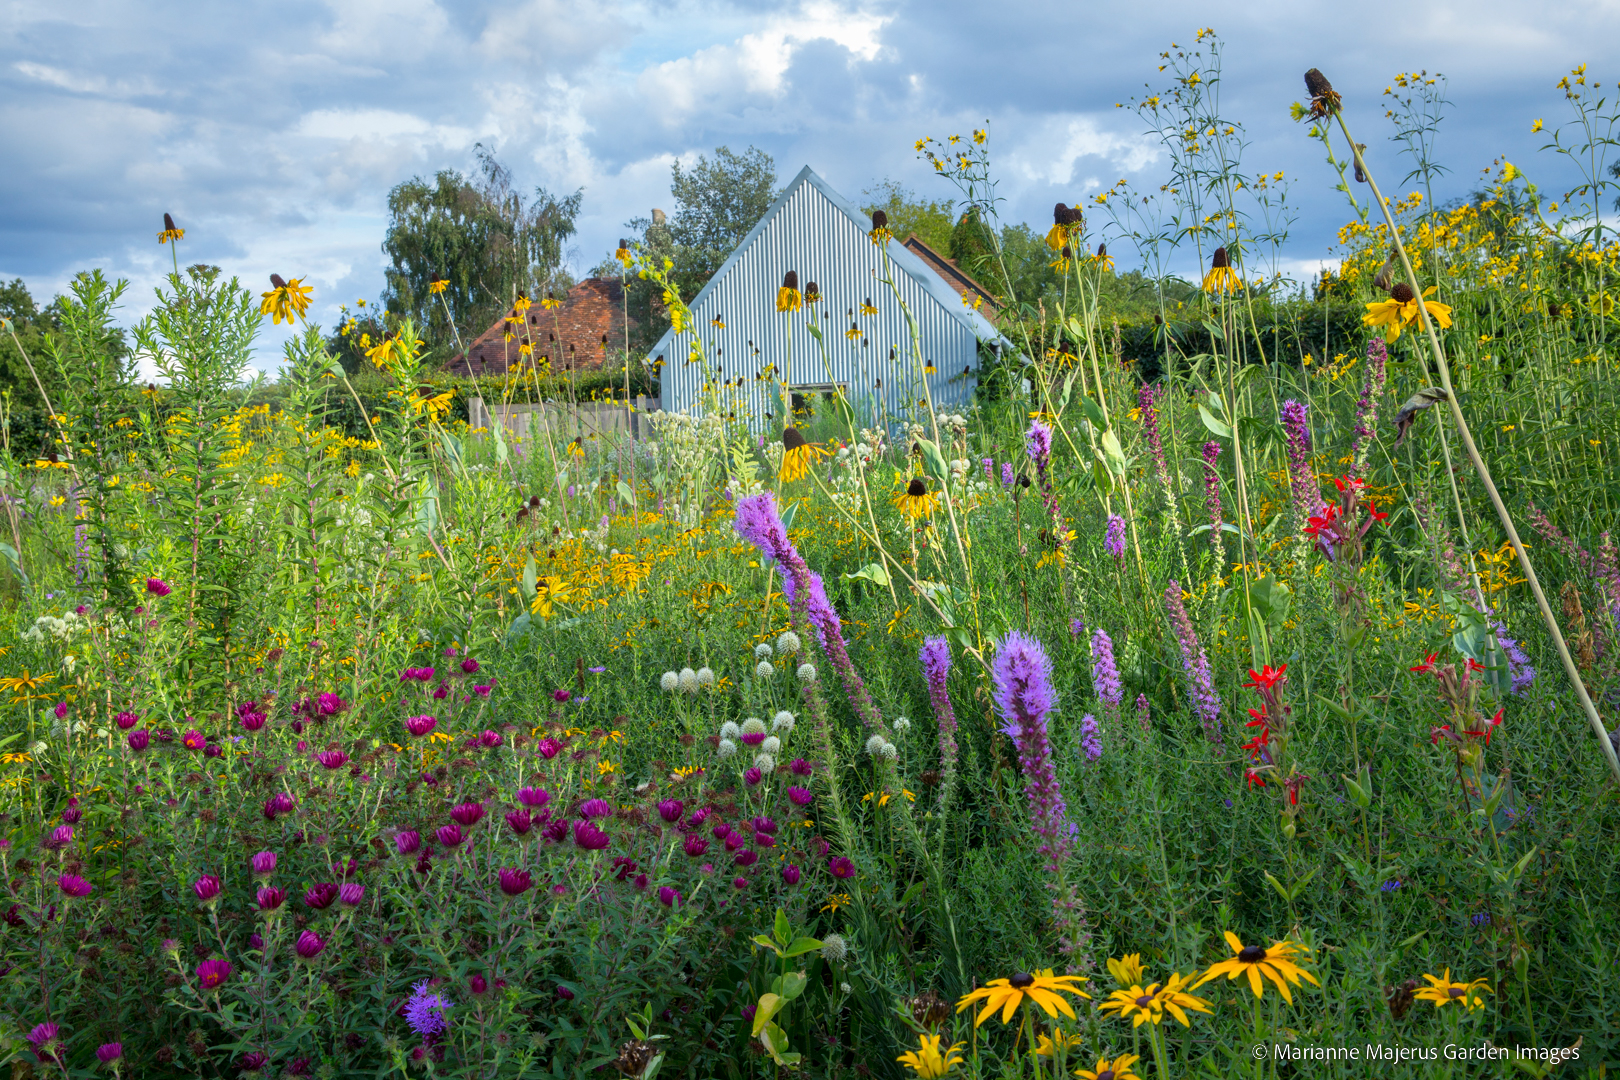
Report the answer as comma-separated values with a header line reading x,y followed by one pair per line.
x,y
278,281
1402,292
880,220
168,223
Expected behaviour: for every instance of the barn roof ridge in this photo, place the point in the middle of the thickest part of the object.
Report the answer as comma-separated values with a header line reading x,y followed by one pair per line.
x,y
900,256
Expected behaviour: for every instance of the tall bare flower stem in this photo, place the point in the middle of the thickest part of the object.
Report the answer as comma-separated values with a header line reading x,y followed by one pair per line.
x,y
1444,371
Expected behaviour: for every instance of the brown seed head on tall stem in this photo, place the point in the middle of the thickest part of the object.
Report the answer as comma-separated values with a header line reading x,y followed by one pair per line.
x,y
1324,99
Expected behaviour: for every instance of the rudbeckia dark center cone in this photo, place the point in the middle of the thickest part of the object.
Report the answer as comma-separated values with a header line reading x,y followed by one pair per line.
x,y
1402,292
1144,1001
1023,978
1219,259
1106,1074
1251,954
916,489
1456,991
791,439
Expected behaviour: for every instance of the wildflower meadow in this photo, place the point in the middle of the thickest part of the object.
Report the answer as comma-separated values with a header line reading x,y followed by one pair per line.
x,y
1225,691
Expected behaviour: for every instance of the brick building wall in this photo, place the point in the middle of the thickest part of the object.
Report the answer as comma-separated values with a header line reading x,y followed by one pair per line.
x,y
571,335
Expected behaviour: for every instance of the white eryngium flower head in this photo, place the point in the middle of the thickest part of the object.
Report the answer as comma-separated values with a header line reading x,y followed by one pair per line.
x,y
753,726
764,763
771,745
901,725
688,680
670,682
889,751
874,745
730,730
833,947
762,651
764,670
726,748
783,722
807,673
788,643
705,676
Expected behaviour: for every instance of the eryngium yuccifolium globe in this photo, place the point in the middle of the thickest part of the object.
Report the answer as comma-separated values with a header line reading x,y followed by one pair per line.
x,y
901,725
807,673
833,948
670,682
764,763
705,676
783,722
874,745
788,643
730,730
753,726
726,748
771,745
889,751
688,680
764,670
762,651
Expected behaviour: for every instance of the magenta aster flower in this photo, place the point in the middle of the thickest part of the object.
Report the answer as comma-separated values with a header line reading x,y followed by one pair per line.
x,y
842,867
671,809
158,587
469,666
75,886
514,882
125,721
753,776
211,974
320,896
791,874
107,1053
533,797
264,864
350,893
43,1039
467,814
799,796
194,740
667,896
548,747
449,835
206,888
695,846
138,740
800,767
309,945
407,842
589,836
270,899
332,759
521,821
420,725
595,808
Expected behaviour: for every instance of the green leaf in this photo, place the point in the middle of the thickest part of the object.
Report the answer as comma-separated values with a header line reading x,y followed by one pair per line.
x,y
1068,388
1094,413
766,943
1104,478
801,946
518,630
873,572
1115,453
934,462
1357,792
769,1005
1215,426
1524,864
1299,886
792,984
531,577
782,930
626,494
1275,884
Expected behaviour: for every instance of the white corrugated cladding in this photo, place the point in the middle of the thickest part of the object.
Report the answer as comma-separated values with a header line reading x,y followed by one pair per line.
x,y
812,231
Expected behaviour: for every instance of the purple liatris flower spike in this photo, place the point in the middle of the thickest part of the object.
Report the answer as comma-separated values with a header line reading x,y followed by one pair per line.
x,y
211,974
1147,400
1023,694
1104,672
1090,738
935,656
424,1011
1212,498
1038,444
1114,536
1007,474
1372,391
1520,671
1302,484
1200,683
1143,716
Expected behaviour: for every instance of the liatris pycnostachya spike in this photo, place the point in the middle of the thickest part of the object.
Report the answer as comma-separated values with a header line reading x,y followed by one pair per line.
x,y
1302,484
1104,671
1372,391
1212,502
1200,683
935,656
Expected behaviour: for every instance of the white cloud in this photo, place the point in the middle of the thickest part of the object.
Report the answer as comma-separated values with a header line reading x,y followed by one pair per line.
x,y
1052,151
82,84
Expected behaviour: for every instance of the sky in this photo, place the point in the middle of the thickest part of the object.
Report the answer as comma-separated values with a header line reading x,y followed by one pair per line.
x,y
274,132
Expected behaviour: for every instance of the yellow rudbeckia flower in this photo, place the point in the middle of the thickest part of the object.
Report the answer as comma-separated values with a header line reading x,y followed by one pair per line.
x,y
1401,311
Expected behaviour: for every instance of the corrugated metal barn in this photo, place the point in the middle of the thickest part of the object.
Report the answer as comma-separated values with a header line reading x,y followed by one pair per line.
x,y
815,232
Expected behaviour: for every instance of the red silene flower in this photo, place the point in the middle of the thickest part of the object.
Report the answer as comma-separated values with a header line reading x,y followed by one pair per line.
x,y
1427,666
1254,778
1267,677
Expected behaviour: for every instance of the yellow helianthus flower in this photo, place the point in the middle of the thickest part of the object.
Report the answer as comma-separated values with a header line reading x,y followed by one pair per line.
x,y
18,683
1043,988
1127,970
1221,277
1443,992
930,1061
1174,998
1104,260
788,297
1046,1046
169,231
1117,1069
1401,311
917,501
550,302
523,303
285,299
797,455
1136,1004
437,285
1275,963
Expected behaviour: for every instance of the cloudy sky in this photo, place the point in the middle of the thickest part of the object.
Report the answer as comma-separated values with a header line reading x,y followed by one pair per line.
x,y
273,132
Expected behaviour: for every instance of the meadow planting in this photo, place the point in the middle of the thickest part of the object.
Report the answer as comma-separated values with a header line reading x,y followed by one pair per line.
x,y
1225,691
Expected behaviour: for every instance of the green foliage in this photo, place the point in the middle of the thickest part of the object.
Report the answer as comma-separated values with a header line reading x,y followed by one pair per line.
x,y
480,235
932,222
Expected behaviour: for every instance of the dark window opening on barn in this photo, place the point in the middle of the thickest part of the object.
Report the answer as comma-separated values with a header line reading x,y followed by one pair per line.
x,y
805,397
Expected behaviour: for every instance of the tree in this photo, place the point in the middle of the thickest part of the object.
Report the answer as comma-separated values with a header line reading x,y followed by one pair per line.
x,y
931,222
717,202
480,236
